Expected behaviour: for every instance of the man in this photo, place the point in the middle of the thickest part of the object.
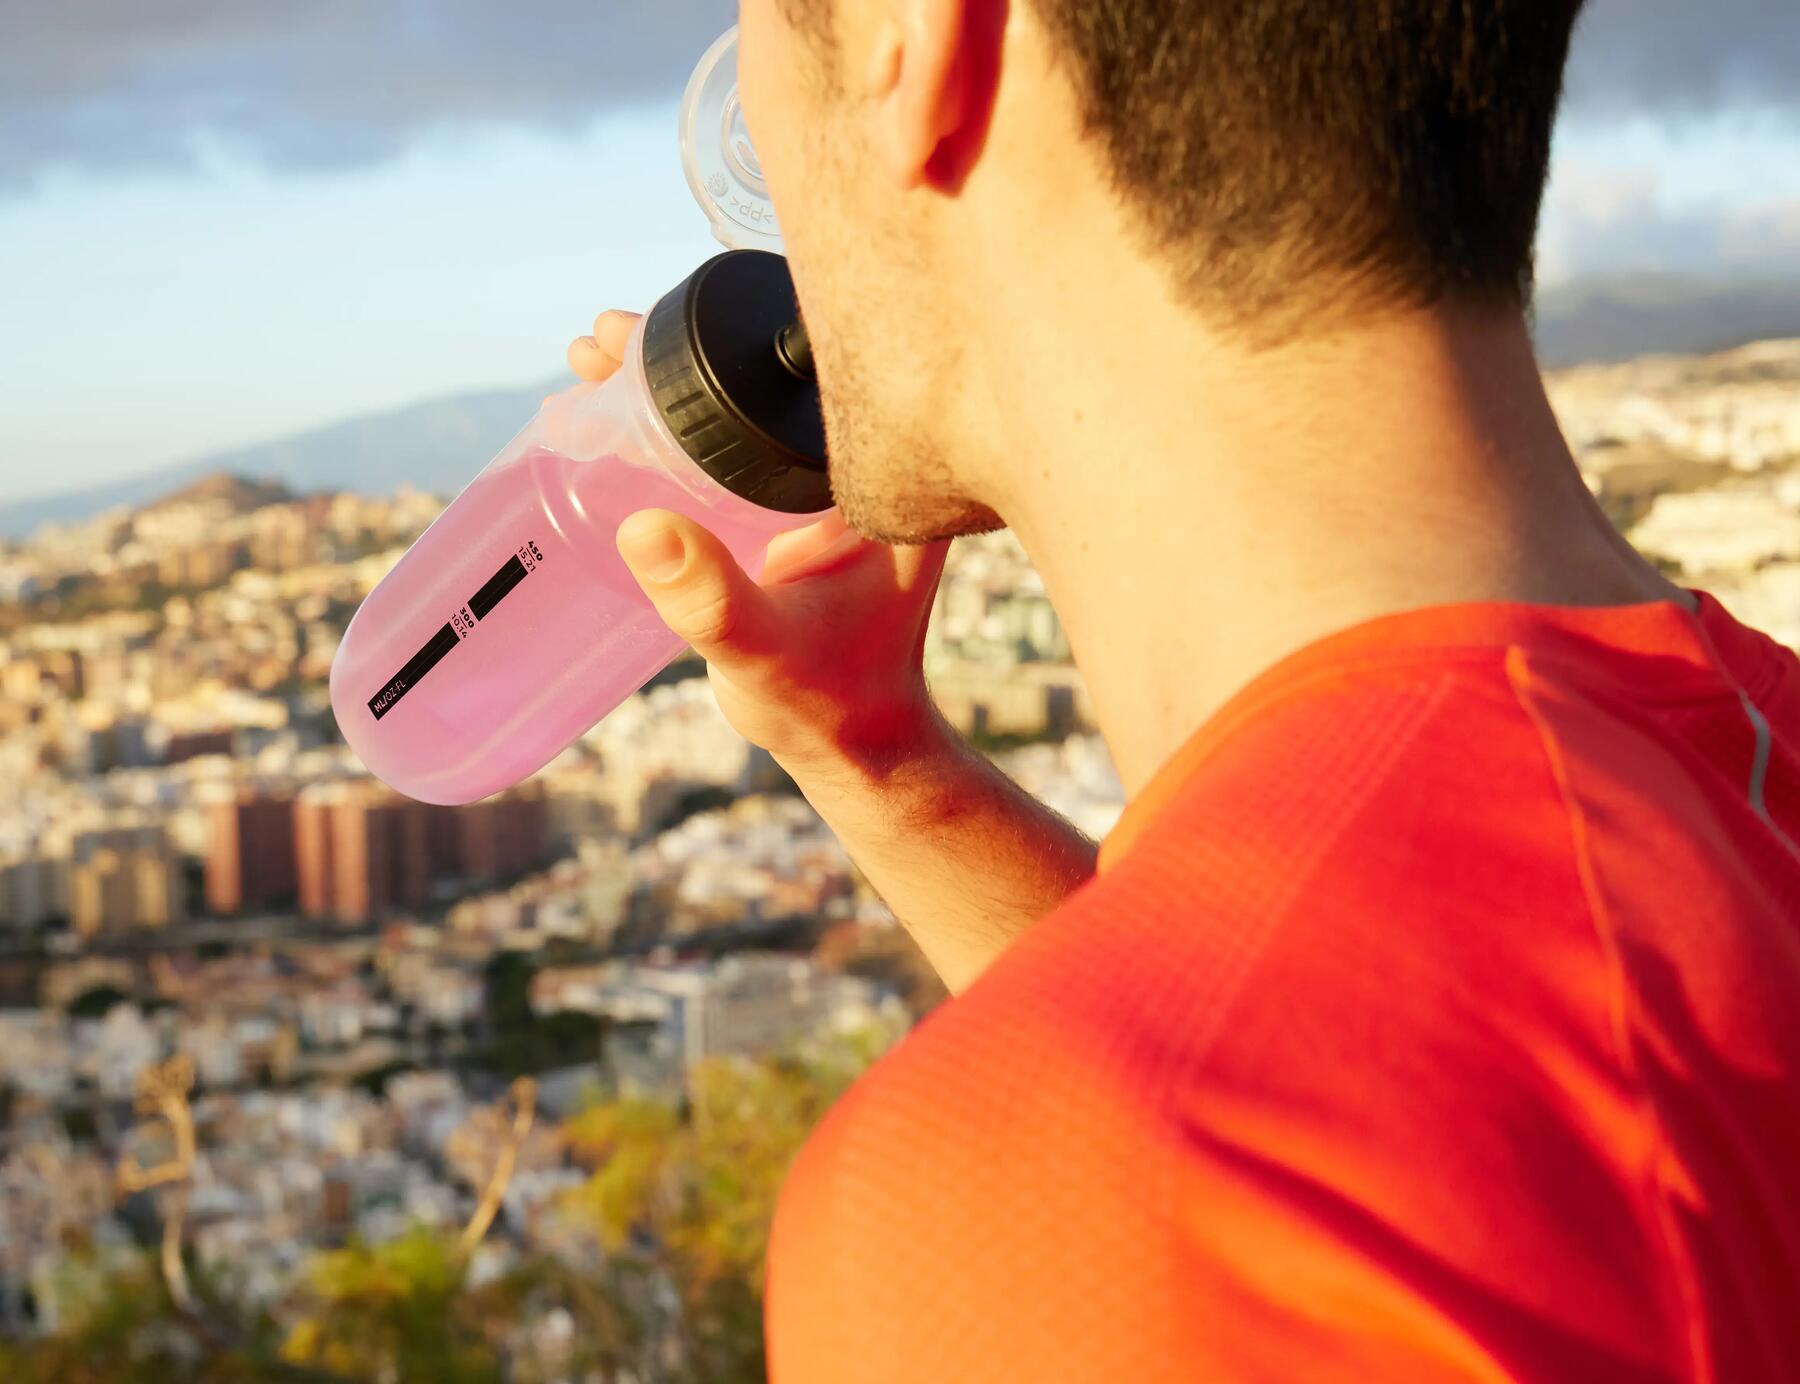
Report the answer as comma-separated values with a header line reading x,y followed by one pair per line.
x,y
1434,1013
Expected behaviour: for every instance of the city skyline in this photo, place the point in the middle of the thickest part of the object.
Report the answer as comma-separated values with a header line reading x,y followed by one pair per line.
x,y
202,892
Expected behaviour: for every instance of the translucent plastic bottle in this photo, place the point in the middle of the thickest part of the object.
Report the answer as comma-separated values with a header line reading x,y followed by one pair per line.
x,y
512,626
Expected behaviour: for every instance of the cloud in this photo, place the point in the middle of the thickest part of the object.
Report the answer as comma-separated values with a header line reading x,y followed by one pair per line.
x,y
1606,222
120,84
1674,59
104,85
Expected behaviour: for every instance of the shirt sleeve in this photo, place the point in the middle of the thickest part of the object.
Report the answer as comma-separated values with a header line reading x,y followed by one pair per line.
x,y
1308,1087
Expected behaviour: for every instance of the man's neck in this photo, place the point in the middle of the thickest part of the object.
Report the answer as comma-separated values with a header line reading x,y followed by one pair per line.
x,y
1199,512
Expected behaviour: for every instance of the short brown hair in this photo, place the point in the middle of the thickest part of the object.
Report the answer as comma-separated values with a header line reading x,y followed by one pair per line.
x,y
1295,160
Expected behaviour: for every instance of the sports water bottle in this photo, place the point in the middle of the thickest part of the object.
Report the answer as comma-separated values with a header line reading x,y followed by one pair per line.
x,y
512,625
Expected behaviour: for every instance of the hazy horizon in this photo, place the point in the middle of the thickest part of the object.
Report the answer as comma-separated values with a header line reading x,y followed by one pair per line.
x,y
242,227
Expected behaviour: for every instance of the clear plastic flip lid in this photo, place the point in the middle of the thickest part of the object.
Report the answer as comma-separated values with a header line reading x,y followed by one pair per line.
x,y
721,166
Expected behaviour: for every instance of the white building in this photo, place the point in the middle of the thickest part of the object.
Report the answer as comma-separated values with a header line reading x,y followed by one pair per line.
x,y
747,1005
1733,530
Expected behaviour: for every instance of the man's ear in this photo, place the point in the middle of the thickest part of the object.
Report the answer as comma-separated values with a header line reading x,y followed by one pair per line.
x,y
932,73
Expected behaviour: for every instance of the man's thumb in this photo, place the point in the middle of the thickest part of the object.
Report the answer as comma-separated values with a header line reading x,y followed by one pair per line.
x,y
694,583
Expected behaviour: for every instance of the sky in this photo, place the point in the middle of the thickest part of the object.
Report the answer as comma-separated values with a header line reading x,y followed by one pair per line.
x,y
223,221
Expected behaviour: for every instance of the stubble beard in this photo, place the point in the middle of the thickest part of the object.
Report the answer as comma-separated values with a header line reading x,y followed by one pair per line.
x,y
891,476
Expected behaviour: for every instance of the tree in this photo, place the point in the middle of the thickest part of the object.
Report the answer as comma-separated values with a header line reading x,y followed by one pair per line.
x,y
407,1311
657,1278
391,1311
692,1197
96,1003
524,1041
120,1326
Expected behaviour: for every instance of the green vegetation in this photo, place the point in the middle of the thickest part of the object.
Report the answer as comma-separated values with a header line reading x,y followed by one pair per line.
x,y
97,1002
691,803
991,743
121,1328
406,1311
659,1273
523,1042
690,1199
375,1080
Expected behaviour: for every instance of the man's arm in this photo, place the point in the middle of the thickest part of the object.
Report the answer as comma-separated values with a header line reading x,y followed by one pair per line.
x,y
965,857
821,664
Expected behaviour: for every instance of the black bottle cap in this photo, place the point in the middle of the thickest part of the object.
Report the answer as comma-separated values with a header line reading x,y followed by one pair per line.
x,y
741,405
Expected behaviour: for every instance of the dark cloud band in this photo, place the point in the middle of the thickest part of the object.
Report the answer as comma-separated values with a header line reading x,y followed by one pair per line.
x,y
107,84
103,84
1678,58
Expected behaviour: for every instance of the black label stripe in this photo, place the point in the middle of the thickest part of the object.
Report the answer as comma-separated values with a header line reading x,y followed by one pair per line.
x,y
416,668
495,589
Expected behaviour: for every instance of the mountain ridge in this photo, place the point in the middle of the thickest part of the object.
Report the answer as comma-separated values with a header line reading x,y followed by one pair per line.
x,y
1603,321
436,445
439,444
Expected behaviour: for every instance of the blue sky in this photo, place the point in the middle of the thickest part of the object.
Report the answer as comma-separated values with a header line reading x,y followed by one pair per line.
x,y
222,221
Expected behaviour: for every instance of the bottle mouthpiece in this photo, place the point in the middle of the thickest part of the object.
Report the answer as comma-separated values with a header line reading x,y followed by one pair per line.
x,y
721,164
793,348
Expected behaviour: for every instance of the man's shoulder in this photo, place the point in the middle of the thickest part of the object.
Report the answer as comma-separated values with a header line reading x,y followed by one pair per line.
x,y
1347,876
1387,833
1347,1034
1299,1012
1366,810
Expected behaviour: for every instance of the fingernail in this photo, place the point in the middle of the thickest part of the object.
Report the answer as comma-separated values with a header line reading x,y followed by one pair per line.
x,y
654,553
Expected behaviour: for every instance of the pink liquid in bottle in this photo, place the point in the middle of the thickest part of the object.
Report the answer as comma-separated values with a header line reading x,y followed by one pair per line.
x,y
512,625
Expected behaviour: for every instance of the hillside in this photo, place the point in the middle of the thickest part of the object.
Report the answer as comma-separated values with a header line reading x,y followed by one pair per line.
x,y
235,494
436,446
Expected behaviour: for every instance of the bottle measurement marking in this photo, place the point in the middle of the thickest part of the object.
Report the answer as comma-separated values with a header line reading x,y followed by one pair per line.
x,y
458,627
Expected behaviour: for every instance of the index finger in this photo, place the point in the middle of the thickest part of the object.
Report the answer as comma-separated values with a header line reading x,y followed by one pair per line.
x,y
797,551
612,329
597,356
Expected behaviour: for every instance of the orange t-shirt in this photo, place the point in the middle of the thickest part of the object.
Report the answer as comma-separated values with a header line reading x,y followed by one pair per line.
x,y
1435,1016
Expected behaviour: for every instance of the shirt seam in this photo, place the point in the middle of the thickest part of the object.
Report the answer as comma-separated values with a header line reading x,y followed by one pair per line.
x,y
1679,1278
1448,658
1751,695
1253,703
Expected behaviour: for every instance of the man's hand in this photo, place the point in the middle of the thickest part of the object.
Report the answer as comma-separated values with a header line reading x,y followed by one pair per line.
x,y
820,664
